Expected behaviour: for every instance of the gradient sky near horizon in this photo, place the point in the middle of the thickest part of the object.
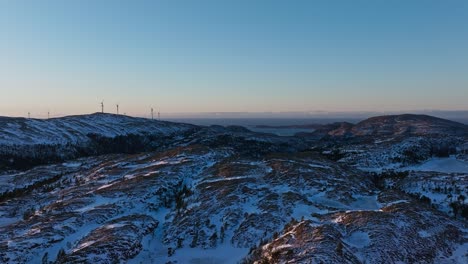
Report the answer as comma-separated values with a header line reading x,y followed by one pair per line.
x,y
232,56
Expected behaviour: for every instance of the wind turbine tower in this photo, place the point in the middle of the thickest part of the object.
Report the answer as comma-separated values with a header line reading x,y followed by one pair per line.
x,y
29,114
117,105
159,115
102,106
152,115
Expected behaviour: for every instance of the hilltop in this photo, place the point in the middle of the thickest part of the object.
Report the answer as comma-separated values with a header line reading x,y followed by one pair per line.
x,y
26,142
409,124
395,125
76,129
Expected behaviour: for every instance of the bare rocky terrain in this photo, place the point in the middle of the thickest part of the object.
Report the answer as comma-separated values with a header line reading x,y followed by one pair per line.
x,y
114,189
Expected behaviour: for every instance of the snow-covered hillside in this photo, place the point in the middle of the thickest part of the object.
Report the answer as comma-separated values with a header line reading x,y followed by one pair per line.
x,y
209,205
229,195
75,129
28,142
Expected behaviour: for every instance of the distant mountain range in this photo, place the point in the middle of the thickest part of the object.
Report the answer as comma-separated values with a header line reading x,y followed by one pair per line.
x,y
393,125
409,124
459,116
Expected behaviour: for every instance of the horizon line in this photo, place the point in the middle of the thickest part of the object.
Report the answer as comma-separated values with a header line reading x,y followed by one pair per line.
x,y
250,114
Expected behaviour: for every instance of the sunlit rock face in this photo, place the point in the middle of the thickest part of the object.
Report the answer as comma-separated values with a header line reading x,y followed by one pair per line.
x,y
229,195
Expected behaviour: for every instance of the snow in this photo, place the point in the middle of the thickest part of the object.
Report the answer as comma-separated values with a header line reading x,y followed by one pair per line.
x,y
230,179
154,251
111,226
424,234
379,169
319,166
380,141
83,245
366,203
250,206
459,255
71,239
280,247
223,254
129,177
33,231
303,210
72,164
4,221
98,201
105,186
397,202
358,239
362,202
447,165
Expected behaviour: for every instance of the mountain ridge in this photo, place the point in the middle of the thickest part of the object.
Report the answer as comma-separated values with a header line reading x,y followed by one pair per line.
x,y
27,142
392,125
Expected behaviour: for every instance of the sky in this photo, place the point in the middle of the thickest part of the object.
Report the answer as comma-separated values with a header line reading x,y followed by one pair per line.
x,y
191,56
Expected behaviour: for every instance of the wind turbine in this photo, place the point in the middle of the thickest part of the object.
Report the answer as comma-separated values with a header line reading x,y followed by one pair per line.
x,y
159,115
152,116
29,114
102,106
117,105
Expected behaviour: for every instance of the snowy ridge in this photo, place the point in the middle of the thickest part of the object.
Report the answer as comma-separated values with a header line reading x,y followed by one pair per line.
x,y
75,129
25,143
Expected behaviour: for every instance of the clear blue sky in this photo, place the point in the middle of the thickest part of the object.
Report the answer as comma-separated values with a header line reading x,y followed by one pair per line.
x,y
229,56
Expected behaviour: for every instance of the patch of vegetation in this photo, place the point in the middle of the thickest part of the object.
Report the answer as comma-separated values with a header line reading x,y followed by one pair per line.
x,y
28,189
335,155
459,208
180,195
380,179
23,157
